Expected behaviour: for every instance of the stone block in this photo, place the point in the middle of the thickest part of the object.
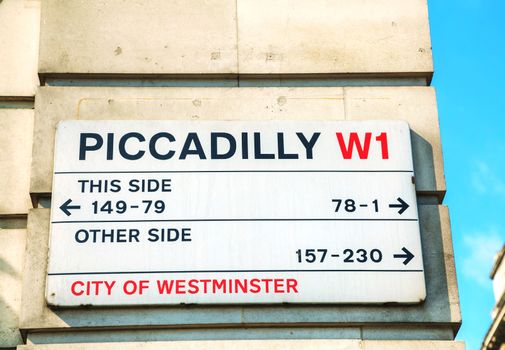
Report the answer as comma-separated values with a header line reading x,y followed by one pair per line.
x,y
138,37
11,267
334,37
199,334
16,134
406,333
309,344
19,35
413,345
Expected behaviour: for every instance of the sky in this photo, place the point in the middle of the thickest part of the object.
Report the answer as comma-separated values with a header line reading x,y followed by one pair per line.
x,y
468,39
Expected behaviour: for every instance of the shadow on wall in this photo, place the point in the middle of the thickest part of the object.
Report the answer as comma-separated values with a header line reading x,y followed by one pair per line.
x,y
422,154
9,318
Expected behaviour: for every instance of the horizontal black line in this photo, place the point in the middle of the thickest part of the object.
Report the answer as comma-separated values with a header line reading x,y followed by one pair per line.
x,y
228,171
219,220
213,271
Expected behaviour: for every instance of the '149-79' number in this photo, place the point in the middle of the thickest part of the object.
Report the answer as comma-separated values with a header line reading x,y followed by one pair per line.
x,y
120,207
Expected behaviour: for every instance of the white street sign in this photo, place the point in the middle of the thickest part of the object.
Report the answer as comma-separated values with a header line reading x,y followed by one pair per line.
x,y
227,212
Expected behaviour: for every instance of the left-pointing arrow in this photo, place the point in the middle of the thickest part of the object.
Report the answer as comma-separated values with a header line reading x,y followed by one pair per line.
x,y
66,207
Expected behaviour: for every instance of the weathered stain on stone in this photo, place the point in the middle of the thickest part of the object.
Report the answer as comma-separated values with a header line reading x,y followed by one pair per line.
x,y
271,56
64,59
215,55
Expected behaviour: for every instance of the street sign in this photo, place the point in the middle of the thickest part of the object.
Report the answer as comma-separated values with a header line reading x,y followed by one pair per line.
x,y
233,212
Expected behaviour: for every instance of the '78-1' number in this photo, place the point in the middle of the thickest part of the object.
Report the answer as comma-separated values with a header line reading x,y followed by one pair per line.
x,y
350,205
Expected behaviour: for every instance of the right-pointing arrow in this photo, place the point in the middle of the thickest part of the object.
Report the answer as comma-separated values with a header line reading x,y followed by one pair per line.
x,y
402,205
407,256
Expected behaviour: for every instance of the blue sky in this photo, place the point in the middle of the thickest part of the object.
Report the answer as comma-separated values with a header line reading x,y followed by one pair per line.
x,y
468,38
